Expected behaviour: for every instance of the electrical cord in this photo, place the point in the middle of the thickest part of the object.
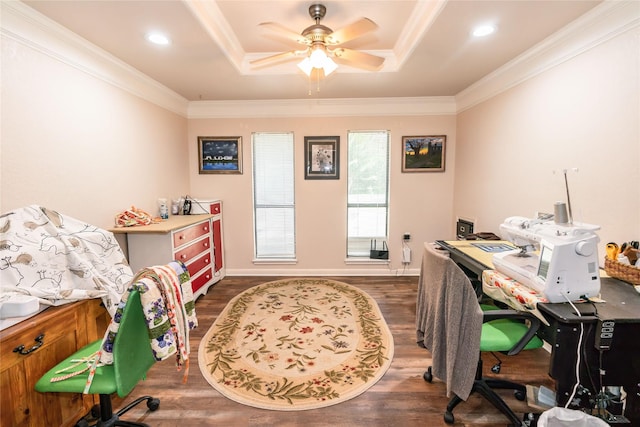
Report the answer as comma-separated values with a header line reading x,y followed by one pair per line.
x,y
575,387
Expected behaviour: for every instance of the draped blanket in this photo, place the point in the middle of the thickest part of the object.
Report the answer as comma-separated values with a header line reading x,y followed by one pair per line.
x,y
59,259
169,308
448,321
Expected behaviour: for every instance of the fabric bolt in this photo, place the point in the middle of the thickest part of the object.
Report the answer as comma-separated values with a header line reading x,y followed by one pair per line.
x,y
513,293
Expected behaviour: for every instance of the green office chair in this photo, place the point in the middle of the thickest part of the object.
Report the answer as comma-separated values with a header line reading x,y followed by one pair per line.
x,y
503,331
447,304
132,358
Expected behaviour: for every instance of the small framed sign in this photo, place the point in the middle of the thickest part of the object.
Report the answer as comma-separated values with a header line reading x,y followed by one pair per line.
x,y
220,154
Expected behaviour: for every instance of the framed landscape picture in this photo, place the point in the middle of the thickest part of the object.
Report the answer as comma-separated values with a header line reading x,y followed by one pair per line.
x,y
423,153
322,157
220,154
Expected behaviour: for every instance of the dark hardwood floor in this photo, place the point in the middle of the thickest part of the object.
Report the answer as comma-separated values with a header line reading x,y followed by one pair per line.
x,y
400,398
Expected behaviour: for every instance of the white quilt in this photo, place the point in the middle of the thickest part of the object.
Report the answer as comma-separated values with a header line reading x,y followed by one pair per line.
x,y
59,259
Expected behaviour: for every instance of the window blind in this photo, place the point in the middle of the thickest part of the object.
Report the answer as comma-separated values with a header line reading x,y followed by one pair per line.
x,y
368,190
274,197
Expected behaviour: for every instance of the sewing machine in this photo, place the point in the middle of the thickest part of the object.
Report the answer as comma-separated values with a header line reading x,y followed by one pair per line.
x,y
558,260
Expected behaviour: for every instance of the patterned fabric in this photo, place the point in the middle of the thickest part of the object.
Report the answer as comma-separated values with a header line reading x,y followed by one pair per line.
x,y
59,259
169,308
513,293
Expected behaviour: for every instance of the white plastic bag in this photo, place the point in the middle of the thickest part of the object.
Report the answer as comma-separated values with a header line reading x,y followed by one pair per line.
x,y
563,417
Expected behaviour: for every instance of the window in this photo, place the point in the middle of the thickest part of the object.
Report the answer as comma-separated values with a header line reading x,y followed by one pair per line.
x,y
273,196
368,191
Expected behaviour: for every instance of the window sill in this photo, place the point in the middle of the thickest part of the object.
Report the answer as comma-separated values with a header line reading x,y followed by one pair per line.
x,y
366,261
275,261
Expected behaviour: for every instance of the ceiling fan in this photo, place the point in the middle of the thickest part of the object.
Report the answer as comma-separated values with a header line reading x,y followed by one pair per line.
x,y
322,44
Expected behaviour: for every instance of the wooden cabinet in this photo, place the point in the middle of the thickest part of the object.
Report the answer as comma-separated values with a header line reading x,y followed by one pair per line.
x,y
46,338
196,240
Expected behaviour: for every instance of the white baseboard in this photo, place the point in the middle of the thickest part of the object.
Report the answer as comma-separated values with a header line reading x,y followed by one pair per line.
x,y
323,272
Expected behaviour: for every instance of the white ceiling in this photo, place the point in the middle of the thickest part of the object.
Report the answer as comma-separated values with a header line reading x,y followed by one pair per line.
x,y
427,44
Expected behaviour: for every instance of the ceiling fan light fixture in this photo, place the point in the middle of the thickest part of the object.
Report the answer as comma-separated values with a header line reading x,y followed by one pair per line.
x,y
329,66
305,66
318,59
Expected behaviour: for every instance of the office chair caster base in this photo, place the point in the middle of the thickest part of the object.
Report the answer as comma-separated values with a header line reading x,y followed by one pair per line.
x,y
520,395
448,417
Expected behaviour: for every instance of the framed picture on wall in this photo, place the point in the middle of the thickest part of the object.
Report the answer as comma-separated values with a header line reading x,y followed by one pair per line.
x,y
322,157
423,153
220,154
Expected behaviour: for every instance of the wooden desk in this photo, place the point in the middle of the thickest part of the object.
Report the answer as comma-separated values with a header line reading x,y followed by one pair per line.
x,y
620,363
61,331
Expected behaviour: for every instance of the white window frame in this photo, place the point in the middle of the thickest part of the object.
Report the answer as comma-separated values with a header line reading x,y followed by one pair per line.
x,y
358,239
274,213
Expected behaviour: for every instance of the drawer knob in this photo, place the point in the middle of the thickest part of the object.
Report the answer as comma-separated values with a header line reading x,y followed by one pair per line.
x,y
39,341
206,244
183,256
206,261
181,237
206,229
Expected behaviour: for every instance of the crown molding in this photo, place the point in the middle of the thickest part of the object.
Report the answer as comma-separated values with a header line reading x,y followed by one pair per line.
x,y
416,106
23,25
26,26
425,14
602,23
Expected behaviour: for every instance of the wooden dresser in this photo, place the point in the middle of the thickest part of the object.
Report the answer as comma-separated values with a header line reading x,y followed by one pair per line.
x,y
196,240
46,339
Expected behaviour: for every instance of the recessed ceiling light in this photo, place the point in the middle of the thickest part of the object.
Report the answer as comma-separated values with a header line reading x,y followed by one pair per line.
x,y
483,30
158,38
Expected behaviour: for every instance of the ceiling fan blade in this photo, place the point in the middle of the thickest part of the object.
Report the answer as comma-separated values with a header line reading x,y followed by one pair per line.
x,y
358,59
350,32
284,56
286,33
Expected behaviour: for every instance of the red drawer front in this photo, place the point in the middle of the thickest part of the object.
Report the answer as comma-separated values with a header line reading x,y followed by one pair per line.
x,y
199,264
191,233
215,208
201,280
192,250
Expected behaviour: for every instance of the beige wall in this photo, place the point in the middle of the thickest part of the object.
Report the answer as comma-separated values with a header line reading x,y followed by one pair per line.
x,y
420,202
581,114
78,145
75,140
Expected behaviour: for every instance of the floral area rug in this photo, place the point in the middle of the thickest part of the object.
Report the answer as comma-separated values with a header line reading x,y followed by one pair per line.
x,y
296,344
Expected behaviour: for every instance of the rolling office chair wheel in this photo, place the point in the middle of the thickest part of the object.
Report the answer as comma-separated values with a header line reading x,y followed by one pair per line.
x,y
495,368
153,404
428,376
520,395
82,423
448,417
95,411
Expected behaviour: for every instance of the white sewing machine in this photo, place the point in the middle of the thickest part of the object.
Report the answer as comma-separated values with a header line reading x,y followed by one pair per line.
x,y
566,266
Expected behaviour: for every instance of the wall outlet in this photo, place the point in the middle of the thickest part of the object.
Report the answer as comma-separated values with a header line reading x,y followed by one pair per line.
x,y
406,255
406,236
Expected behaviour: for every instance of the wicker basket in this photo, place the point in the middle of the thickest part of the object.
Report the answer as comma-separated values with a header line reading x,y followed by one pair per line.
x,y
625,272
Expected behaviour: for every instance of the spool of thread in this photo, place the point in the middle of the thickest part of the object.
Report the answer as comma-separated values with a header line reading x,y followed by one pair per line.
x,y
560,213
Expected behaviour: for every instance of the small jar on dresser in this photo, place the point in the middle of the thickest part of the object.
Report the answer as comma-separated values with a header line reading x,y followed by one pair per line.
x,y
196,240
